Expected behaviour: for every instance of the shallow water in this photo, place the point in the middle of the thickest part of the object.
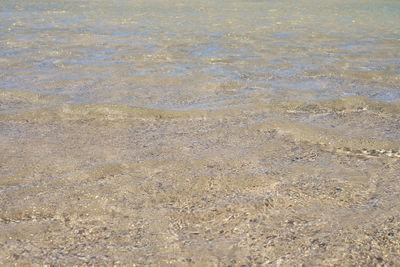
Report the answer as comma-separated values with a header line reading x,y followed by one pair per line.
x,y
186,54
200,132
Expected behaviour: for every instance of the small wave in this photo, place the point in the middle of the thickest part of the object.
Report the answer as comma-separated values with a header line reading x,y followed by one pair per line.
x,y
339,105
331,140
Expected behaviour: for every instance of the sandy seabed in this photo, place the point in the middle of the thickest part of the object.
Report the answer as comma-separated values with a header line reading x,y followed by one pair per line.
x,y
277,184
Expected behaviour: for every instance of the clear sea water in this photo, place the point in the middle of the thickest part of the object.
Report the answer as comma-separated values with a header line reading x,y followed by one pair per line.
x,y
200,54
205,133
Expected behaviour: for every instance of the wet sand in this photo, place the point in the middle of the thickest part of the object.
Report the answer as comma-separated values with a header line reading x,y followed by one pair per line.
x,y
269,183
